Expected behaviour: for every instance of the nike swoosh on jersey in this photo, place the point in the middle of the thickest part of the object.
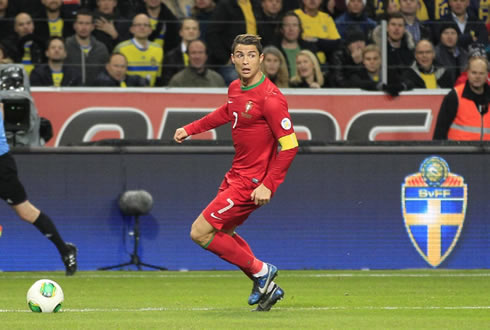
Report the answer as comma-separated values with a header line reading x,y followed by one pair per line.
x,y
216,217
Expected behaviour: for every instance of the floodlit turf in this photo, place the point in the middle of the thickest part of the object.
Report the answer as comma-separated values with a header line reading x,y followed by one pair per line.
x,y
417,299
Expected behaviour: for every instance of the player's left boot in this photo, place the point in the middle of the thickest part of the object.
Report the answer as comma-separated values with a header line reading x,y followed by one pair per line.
x,y
270,299
70,259
261,284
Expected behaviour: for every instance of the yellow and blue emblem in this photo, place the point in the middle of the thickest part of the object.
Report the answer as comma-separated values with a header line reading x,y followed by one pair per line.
x,y
434,207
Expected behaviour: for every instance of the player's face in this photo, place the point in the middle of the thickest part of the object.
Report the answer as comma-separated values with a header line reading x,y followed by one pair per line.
x,y
117,67
271,64
424,54
247,61
291,28
477,73
106,6
23,25
372,62
189,30
396,29
56,50
459,6
84,26
409,7
449,38
272,7
304,66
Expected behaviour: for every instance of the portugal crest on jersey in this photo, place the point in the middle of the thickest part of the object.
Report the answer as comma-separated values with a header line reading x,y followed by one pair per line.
x,y
249,106
434,205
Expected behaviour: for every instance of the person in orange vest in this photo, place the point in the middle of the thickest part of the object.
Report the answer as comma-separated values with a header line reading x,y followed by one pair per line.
x,y
464,110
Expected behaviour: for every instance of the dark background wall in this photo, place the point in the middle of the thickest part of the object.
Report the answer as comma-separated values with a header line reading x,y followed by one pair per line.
x,y
336,209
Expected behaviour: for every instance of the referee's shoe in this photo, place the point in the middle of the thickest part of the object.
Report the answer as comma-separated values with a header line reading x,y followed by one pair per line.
x,y
70,259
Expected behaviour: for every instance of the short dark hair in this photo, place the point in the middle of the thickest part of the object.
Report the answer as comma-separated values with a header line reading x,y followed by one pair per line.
x,y
247,39
117,54
196,40
293,14
84,12
51,39
395,15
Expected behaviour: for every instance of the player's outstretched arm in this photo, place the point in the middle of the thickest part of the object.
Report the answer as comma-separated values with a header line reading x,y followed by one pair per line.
x,y
180,135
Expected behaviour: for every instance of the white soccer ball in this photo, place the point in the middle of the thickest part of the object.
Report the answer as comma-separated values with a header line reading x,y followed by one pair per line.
x,y
45,296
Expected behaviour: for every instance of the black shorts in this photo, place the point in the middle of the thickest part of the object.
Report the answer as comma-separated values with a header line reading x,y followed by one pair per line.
x,y
11,189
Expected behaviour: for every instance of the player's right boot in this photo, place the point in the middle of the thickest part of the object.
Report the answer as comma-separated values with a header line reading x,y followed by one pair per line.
x,y
261,284
70,259
270,299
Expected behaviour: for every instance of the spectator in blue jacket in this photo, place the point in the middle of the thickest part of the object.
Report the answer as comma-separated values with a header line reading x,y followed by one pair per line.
x,y
354,18
448,54
472,29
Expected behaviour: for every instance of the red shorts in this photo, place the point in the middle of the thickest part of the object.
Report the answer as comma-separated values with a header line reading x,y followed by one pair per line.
x,y
232,205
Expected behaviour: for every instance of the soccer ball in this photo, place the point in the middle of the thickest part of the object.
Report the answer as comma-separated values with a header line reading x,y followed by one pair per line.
x,y
45,296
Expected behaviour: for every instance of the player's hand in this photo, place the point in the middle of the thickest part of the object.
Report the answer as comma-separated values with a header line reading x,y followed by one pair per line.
x,y
180,135
261,195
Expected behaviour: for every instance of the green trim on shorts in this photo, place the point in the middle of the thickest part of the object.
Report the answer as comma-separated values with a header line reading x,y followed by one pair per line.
x,y
205,246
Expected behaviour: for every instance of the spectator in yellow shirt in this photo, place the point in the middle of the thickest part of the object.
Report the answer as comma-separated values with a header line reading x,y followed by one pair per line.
x,y
317,24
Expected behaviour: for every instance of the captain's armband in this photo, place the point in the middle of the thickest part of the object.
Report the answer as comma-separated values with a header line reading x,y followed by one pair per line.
x,y
288,142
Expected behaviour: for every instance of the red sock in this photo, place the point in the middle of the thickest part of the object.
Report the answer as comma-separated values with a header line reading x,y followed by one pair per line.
x,y
225,247
243,243
246,247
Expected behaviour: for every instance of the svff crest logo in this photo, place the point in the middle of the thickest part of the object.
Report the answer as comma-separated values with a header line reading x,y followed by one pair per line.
x,y
434,206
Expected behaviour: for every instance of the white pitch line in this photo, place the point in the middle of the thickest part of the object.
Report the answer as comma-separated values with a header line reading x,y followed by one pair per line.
x,y
238,274
200,309
389,275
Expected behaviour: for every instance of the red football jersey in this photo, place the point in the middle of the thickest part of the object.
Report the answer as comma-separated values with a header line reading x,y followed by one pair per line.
x,y
259,117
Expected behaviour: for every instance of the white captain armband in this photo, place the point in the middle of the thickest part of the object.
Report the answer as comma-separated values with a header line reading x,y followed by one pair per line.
x,y
288,142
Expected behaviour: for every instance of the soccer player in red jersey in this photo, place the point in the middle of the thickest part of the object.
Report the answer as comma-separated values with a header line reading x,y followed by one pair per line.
x,y
260,121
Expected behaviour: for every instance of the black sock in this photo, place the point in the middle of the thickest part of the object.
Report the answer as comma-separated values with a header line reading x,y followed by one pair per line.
x,y
48,229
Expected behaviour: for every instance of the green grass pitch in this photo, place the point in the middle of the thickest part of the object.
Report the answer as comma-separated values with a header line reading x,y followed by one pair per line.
x,y
412,299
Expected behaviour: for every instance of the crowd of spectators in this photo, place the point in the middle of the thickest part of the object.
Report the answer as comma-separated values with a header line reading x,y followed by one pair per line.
x,y
308,43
